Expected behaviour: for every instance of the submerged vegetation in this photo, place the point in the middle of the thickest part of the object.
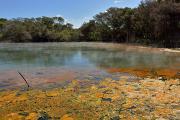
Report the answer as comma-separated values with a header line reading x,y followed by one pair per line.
x,y
151,23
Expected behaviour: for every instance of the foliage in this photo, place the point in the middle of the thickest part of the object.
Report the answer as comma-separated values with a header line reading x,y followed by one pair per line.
x,y
42,29
151,23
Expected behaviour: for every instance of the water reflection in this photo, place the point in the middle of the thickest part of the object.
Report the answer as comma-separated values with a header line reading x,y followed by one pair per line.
x,y
25,56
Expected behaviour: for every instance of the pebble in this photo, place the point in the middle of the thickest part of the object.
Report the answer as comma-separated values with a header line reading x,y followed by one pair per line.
x,y
107,99
163,78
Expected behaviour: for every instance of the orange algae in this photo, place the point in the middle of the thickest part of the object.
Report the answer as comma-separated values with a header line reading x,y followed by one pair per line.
x,y
66,117
169,73
138,72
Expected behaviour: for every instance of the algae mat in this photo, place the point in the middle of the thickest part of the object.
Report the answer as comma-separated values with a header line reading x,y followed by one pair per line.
x,y
145,99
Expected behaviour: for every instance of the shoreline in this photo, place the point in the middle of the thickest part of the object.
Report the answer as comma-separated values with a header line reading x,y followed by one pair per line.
x,y
106,45
46,78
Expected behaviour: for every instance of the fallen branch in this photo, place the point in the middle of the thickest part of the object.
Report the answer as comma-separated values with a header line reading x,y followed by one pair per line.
x,y
24,80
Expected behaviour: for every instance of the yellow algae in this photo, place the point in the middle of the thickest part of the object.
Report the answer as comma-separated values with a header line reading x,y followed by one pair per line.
x,y
152,83
13,116
8,97
75,82
129,88
106,100
99,95
173,82
41,95
53,93
124,78
115,96
22,97
122,82
66,117
108,79
128,104
94,87
162,97
32,116
113,85
163,112
82,97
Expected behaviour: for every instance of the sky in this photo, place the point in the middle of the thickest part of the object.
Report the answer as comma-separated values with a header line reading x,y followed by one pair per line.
x,y
74,11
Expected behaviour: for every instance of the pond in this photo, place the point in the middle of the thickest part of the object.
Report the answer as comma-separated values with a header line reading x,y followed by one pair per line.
x,y
52,62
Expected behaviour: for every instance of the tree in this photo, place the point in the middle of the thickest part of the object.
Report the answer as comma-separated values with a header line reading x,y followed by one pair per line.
x,y
14,31
117,22
153,22
2,23
90,31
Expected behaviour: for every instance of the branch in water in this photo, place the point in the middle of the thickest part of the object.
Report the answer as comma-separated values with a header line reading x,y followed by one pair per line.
x,y
24,79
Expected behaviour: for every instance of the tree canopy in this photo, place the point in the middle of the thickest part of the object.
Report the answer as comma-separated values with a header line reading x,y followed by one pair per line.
x,y
152,23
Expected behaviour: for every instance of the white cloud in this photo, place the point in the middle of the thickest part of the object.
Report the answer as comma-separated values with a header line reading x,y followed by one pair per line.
x,y
65,19
86,19
117,1
58,15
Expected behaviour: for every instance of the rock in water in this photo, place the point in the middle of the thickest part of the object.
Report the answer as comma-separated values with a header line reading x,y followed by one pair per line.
x,y
107,99
162,78
43,116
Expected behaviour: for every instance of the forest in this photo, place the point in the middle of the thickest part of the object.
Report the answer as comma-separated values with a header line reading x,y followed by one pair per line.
x,y
153,22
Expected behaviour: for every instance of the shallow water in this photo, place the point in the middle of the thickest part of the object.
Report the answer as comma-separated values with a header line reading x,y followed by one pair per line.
x,y
80,55
66,61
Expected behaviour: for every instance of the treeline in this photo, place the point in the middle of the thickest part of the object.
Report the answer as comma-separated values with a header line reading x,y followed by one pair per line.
x,y
153,22
42,29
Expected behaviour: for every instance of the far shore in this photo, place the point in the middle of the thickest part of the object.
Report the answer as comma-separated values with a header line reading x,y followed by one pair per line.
x,y
107,45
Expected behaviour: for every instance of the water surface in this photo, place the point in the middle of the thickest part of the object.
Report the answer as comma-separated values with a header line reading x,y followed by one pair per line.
x,y
49,61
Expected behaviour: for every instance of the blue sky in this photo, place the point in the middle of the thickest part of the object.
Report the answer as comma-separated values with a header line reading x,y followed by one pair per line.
x,y
74,11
